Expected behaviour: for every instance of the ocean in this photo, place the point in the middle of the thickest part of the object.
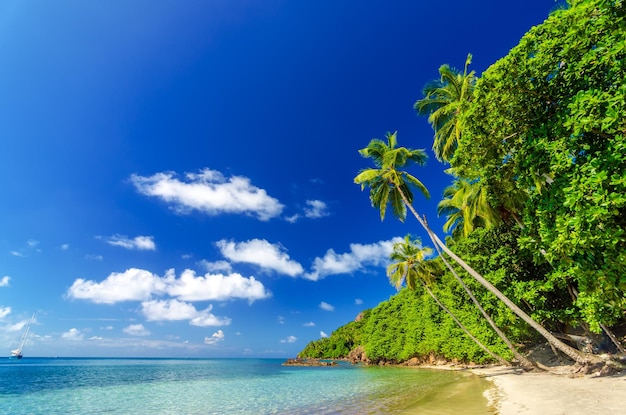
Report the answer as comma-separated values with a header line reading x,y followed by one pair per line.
x,y
229,386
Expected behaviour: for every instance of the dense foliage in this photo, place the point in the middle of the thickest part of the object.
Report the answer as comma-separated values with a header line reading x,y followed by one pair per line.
x,y
537,149
546,125
408,325
340,342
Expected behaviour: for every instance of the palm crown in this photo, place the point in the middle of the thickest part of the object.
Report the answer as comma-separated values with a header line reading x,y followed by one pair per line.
x,y
410,265
443,102
466,205
388,184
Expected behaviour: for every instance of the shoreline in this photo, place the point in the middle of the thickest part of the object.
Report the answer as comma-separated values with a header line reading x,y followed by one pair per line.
x,y
512,391
515,392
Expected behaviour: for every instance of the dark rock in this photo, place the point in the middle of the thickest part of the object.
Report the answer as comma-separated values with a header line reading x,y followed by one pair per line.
x,y
309,362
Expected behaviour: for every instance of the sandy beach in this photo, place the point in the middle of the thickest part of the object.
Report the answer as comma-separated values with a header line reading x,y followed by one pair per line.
x,y
515,392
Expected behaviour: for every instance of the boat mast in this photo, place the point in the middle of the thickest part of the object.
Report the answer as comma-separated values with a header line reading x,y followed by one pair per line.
x,y
18,352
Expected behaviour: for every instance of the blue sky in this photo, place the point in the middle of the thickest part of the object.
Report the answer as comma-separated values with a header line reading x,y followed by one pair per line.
x,y
177,176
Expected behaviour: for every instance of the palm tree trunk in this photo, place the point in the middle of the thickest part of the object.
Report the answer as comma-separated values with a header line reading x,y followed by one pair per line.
x,y
574,294
569,351
520,358
613,338
456,320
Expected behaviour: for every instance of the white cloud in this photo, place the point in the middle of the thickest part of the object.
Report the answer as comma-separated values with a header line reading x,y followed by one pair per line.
x,y
136,330
281,320
4,282
168,310
16,253
17,326
173,310
217,266
142,243
96,338
358,301
209,192
140,285
289,339
262,253
94,257
325,306
5,311
292,218
315,209
32,243
65,247
190,287
360,255
323,334
131,285
215,338
73,335
309,324
206,319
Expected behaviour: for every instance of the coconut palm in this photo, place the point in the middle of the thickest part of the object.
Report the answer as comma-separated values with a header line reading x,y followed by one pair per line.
x,y
387,184
520,358
386,181
466,205
444,100
409,265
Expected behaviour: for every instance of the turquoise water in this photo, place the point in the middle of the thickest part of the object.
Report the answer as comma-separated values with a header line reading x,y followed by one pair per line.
x,y
225,386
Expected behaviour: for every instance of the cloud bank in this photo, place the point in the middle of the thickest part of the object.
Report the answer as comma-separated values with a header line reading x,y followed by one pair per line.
x,y
273,257
140,285
360,256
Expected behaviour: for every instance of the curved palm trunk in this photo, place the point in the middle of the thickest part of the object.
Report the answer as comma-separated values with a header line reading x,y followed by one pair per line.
x,y
456,320
520,358
574,293
569,351
613,338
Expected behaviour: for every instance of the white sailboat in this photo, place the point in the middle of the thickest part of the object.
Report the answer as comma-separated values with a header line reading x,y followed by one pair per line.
x,y
17,353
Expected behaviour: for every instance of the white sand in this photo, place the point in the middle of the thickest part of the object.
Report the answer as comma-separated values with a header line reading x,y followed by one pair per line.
x,y
517,393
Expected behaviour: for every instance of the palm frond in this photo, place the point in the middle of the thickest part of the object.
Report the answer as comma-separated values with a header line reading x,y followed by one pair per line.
x,y
418,184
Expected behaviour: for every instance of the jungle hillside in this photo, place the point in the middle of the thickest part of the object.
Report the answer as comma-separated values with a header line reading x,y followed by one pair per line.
x,y
533,250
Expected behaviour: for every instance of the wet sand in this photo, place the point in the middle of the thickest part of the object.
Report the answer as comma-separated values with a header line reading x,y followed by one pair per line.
x,y
467,395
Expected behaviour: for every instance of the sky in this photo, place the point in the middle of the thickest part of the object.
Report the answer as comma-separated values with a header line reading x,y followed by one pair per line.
x,y
177,176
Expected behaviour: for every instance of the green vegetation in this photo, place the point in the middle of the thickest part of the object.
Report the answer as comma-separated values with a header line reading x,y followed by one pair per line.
x,y
547,123
536,210
340,342
409,324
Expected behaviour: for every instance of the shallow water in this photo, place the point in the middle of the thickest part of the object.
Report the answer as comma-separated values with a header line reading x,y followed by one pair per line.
x,y
229,386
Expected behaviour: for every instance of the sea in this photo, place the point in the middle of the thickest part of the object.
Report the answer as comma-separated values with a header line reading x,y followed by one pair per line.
x,y
230,386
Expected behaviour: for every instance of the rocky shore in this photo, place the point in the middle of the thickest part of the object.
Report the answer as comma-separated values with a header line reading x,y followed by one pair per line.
x,y
309,362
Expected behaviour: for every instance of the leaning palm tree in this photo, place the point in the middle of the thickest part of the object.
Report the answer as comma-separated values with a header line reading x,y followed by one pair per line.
x,y
468,204
409,265
443,102
388,185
